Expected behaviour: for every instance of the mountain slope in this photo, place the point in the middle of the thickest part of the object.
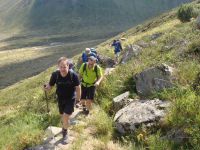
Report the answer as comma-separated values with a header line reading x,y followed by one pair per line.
x,y
75,16
23,118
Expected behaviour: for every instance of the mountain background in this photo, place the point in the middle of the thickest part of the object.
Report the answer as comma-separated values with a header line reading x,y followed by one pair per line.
x,y
35,33
162,40
95,18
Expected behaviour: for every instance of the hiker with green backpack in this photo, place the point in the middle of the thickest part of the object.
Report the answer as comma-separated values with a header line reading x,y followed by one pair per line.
x,y
67,83
91,75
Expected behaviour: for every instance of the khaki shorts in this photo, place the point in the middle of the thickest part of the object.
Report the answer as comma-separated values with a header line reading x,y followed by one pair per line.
x,y
117,54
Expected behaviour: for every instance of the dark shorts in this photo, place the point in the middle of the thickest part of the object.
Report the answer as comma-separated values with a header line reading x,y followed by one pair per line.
x,y
88,92
67,108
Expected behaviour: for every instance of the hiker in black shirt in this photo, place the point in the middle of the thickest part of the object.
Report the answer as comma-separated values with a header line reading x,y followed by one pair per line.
x,y
67,83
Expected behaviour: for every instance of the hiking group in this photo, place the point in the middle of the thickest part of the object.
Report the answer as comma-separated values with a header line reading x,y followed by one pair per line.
x,y
72,88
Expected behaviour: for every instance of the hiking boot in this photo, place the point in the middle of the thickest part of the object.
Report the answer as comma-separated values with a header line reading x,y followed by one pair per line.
x,y
65,137
86,112
84,109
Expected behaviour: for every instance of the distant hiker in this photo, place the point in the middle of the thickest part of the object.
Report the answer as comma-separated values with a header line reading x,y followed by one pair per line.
x,y
87,54
91,75
117,49
67,83
71,65
94,50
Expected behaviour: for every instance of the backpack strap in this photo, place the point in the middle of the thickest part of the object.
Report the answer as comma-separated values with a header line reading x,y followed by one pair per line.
x,y
71,76
57,74
84,68
96,71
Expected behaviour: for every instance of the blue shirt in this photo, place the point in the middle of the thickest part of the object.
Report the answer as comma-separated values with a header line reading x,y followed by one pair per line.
x,y
117,46
85,56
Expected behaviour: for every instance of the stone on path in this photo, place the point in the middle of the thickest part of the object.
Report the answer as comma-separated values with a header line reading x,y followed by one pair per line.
x,y
53,139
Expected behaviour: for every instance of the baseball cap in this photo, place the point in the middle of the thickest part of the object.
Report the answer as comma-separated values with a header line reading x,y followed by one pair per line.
x,y
92,58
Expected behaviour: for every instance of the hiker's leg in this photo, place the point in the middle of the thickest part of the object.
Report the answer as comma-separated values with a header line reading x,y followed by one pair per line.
x,y
83,102
116,58
89,104
65,120
91,93
83,95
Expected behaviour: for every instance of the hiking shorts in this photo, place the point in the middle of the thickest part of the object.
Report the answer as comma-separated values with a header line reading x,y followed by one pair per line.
x,y
67,108
117,54
87,93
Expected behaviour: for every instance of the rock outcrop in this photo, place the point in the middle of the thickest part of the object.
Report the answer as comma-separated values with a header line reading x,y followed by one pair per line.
x,y
131,51
154,79
121,101
141,112
106,61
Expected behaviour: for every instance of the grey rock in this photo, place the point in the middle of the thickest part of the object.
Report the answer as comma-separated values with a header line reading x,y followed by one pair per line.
x,y
108,71
176,135
131,51
142,44
156,35
106,61
154,79
138,113
121,101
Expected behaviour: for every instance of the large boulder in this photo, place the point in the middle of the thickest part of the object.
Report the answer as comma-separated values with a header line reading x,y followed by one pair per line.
x,y
154,79
141,112
131,51
198,22
121,101
106,61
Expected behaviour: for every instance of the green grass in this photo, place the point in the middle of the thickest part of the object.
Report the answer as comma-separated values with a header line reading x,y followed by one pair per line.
x,y
28,119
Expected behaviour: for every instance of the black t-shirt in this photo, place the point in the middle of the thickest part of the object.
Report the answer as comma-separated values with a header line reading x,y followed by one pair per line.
x,y
65,85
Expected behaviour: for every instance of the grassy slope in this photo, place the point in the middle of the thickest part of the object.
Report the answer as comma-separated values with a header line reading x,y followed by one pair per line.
x,y
24,115
38,17
30,23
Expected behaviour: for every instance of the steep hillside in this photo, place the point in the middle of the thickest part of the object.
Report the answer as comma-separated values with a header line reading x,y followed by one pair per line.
x,y
79,16
22,110
39,31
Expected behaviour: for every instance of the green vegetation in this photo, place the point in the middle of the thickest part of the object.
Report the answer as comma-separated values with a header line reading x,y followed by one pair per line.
x,y
194,48
23,113
84,18
32,36
185,13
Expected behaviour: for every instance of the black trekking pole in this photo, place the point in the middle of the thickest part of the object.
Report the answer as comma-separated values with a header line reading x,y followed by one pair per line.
x,y
48,113
46,98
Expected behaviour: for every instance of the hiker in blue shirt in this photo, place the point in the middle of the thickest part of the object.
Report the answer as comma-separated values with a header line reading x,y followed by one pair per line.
x,y
87,54
117,49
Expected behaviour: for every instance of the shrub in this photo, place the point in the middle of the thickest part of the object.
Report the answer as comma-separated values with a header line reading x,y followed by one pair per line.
x,y
194,47
196,84
185,13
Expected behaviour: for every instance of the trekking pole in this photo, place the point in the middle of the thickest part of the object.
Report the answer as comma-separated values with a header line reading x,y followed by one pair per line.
x,y
48,112
46,98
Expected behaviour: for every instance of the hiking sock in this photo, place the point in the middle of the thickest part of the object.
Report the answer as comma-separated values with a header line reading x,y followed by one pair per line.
x,y
64,132
87,112
84,108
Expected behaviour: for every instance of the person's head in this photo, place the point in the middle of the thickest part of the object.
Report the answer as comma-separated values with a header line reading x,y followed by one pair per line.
x,y
114,41
63,65
92,60
87,50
